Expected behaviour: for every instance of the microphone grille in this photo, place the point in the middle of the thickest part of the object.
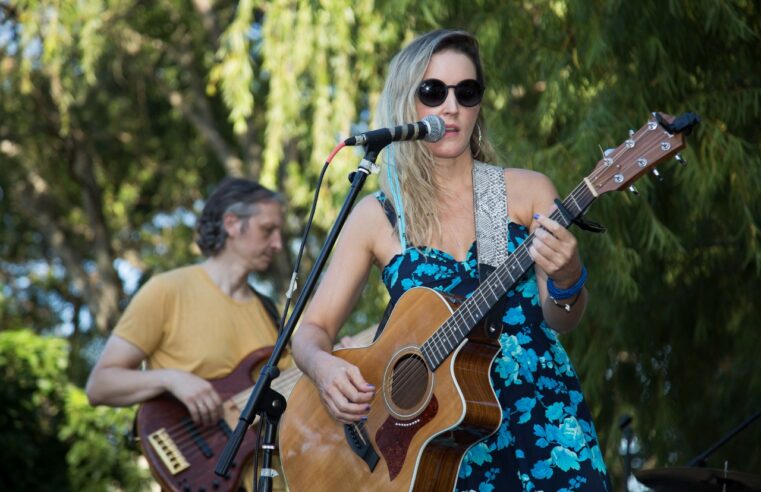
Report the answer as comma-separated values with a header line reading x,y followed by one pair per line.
x,y
435,126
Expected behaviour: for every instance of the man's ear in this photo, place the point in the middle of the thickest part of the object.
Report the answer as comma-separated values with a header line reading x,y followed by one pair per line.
x,y
231,223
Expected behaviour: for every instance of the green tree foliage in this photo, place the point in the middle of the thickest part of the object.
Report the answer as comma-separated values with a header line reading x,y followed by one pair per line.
x,y
116,117
51,438
33,396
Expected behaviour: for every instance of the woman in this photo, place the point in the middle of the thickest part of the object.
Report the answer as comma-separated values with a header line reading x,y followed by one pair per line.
x,y
425,216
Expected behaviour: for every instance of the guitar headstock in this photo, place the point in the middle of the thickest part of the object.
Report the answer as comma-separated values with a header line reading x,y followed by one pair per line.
x,y
658,140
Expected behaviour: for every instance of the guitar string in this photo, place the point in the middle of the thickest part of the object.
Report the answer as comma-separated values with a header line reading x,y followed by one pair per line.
x,y
521,254
280,384
239,399
579,192
185,440
409,370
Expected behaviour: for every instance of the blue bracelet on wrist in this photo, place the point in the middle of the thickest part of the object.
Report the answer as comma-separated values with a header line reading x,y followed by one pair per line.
x,y
571,291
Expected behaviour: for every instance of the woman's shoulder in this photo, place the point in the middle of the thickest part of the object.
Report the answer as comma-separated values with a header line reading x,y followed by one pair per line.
x,y
527,192
370,229
526,176
372,206
369,217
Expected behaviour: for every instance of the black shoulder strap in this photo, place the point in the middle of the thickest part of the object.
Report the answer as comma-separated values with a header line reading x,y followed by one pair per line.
x,y
269,306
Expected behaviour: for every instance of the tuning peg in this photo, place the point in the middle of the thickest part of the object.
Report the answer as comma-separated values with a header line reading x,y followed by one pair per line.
x,y
657,174
681,160
633,190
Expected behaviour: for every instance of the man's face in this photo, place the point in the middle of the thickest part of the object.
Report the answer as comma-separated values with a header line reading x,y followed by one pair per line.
x,y
256,239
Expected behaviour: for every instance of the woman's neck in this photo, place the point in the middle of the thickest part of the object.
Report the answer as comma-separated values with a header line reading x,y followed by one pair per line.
x,y
452,174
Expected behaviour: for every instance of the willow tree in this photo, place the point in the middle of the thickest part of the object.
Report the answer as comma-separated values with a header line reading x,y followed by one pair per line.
x,y
117,116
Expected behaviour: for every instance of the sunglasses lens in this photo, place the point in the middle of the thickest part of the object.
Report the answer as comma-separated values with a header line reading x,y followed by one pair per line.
x,y
432,92
468,93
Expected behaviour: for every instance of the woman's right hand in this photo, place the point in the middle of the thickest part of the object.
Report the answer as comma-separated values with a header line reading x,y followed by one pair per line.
x,y
343,390
197,394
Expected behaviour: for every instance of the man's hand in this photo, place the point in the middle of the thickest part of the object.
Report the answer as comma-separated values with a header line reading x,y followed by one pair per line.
x,y
197,394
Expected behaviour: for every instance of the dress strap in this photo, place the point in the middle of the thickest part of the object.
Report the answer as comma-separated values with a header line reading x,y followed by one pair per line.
x,y
388,208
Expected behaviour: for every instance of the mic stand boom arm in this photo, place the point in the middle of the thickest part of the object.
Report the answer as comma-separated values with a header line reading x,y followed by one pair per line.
x,y
263,398
700,460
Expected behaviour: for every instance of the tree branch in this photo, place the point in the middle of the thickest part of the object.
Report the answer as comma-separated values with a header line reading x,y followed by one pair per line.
x,y
209,21
194,104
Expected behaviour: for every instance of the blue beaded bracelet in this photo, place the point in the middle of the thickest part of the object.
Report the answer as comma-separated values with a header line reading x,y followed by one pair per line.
x,y
571,291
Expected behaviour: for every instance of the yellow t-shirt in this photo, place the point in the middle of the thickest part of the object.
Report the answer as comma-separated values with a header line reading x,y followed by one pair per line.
x,y
182,320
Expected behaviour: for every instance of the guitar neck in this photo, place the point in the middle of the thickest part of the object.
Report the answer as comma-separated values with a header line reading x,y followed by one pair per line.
x,y
456,328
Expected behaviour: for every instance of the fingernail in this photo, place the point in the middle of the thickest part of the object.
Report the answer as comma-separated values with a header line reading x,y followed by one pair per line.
x,y
367,408
536,216
371,385
363,418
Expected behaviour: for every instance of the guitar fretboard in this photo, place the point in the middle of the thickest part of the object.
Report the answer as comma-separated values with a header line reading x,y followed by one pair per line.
x,y
456,328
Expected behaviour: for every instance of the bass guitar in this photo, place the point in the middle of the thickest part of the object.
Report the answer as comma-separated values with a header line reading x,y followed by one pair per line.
x,y
182,455
432,362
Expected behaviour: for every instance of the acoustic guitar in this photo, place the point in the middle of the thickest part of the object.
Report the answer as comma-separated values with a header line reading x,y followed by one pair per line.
x,y
432,362
182,455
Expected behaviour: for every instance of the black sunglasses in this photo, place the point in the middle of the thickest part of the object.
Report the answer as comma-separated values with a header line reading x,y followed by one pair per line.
x,y
433,92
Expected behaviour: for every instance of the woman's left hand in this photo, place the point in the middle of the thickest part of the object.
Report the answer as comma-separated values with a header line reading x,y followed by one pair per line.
x,y
554,249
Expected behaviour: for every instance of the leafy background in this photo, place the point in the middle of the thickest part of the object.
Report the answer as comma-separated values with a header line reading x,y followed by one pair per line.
x,y
118,116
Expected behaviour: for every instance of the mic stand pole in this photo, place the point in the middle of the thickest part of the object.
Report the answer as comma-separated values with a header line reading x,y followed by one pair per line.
x,y
263,399
700,460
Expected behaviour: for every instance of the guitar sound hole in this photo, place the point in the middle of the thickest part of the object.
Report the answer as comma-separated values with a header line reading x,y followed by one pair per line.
x,y
409,381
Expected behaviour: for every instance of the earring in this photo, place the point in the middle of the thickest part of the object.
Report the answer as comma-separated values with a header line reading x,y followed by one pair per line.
x,y
478,143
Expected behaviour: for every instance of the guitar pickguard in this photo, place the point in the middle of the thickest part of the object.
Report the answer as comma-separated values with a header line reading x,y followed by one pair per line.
x,y
394,436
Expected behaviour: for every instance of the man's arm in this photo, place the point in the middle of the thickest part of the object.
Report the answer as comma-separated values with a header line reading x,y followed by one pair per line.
x,y
116,380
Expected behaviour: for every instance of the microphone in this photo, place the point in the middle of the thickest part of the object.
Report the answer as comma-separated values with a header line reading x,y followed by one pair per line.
x,y
430,129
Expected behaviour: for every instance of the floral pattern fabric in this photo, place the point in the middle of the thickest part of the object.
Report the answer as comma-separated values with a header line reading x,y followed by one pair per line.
x,y
546,441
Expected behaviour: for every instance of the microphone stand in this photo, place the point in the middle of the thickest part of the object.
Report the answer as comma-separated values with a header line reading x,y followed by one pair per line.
x,y
263,399
700,460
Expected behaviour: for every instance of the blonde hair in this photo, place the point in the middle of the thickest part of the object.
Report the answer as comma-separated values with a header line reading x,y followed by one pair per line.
x,y
414,162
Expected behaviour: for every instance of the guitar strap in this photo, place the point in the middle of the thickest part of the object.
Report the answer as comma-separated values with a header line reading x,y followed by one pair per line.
x,y
269,306
490,210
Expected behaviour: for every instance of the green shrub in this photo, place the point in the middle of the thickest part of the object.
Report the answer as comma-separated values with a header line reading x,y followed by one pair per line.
x,y
50,438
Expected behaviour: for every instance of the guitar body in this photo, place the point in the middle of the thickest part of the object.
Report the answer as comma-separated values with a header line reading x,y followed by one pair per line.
x,y
421,423
182,456
431,367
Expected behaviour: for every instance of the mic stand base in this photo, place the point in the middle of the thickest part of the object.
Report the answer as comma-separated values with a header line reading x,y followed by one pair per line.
x,y
271,419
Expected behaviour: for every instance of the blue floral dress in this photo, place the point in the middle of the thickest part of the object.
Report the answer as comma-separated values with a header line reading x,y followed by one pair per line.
x,y
547,441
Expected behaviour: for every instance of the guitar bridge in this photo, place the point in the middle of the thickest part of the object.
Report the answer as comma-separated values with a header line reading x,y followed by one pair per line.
x,y
168,452
359,442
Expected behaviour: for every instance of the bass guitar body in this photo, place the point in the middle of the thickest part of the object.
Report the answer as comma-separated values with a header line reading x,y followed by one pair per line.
x,y
422,420
182,455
